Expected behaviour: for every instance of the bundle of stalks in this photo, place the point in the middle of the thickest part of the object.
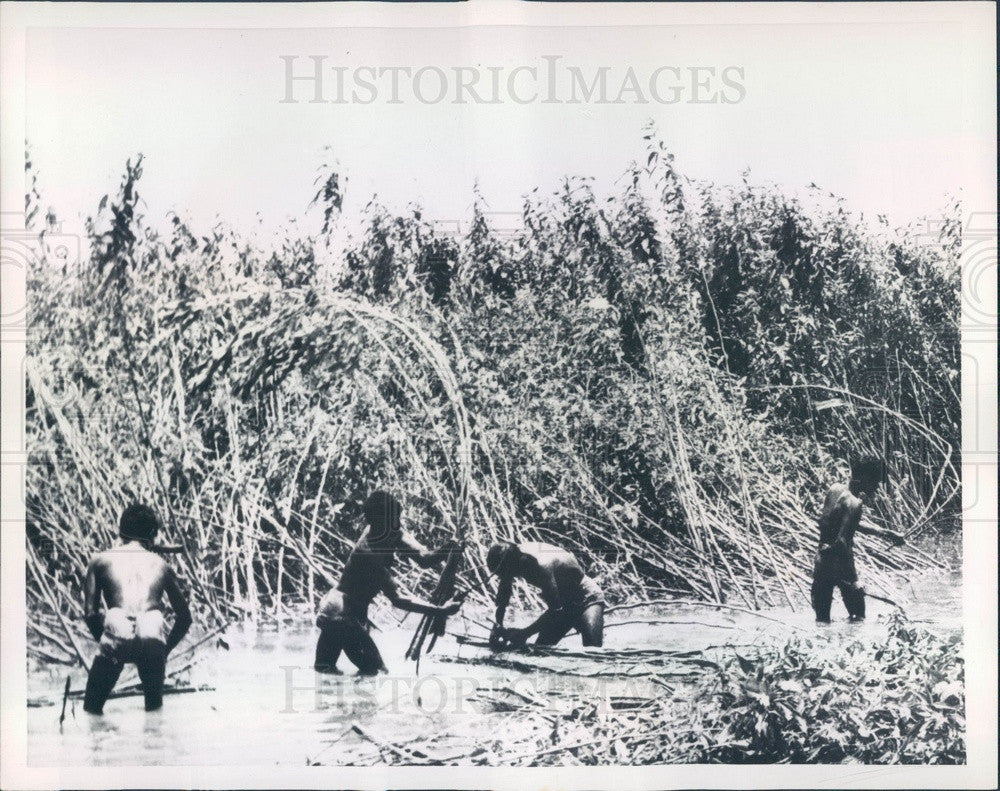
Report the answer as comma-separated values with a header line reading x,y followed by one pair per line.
x,y
434,625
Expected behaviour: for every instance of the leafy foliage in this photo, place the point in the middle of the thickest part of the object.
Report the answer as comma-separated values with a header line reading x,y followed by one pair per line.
x,y
898,701
895,699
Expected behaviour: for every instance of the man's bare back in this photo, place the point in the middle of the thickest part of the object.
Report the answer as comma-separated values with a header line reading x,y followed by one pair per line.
x,y
123,608
131,577
554,571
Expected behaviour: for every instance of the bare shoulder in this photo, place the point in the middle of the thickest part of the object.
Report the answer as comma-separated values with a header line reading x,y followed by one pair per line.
x,y
840,496
853,504
537,550
847,502
845,495
836,492
548,554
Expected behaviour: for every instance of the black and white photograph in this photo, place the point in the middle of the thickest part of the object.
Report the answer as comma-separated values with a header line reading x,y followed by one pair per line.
x,y
499,395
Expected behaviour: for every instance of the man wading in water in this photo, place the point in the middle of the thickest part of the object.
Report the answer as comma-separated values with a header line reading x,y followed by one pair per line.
x,y
841,518
132,581
573,598
343,612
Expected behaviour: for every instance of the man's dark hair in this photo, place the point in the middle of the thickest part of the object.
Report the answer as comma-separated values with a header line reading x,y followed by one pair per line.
x,y
500,557
382,511
868,469
138,522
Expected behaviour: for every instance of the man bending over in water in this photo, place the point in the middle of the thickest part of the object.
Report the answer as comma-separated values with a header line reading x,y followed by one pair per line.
x,y
840,519
343,612
573,598
132,581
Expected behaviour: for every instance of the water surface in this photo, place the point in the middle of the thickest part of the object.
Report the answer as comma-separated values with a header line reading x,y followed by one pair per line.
x,y
267,706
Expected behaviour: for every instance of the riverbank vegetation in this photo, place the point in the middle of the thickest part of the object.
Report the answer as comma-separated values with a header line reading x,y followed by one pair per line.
x,y
897,700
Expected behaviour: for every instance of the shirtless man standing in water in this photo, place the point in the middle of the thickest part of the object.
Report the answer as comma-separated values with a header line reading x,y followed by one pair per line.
x,y
841,518
343,613
573,598
132,581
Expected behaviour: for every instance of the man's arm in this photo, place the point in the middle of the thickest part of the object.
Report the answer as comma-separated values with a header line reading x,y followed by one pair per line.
x,y
92,602
182,614
504,592
419,554
416,605
520,636
894,538
550,593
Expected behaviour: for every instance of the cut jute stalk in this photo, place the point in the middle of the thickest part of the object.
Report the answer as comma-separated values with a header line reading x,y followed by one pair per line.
x,y
127,692
62,714
434,625
691,603
411,755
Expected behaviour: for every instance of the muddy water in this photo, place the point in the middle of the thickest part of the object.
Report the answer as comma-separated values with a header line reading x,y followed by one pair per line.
x,y
266,705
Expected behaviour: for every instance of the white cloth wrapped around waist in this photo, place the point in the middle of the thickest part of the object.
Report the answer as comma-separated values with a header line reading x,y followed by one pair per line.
x,y
124,633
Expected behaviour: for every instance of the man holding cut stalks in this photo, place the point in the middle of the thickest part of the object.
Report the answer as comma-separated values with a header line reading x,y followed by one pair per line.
x,y
840,519
343,612
573,598
132,580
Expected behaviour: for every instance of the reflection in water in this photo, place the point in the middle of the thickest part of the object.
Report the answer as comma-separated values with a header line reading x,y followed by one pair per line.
x,y
269,707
